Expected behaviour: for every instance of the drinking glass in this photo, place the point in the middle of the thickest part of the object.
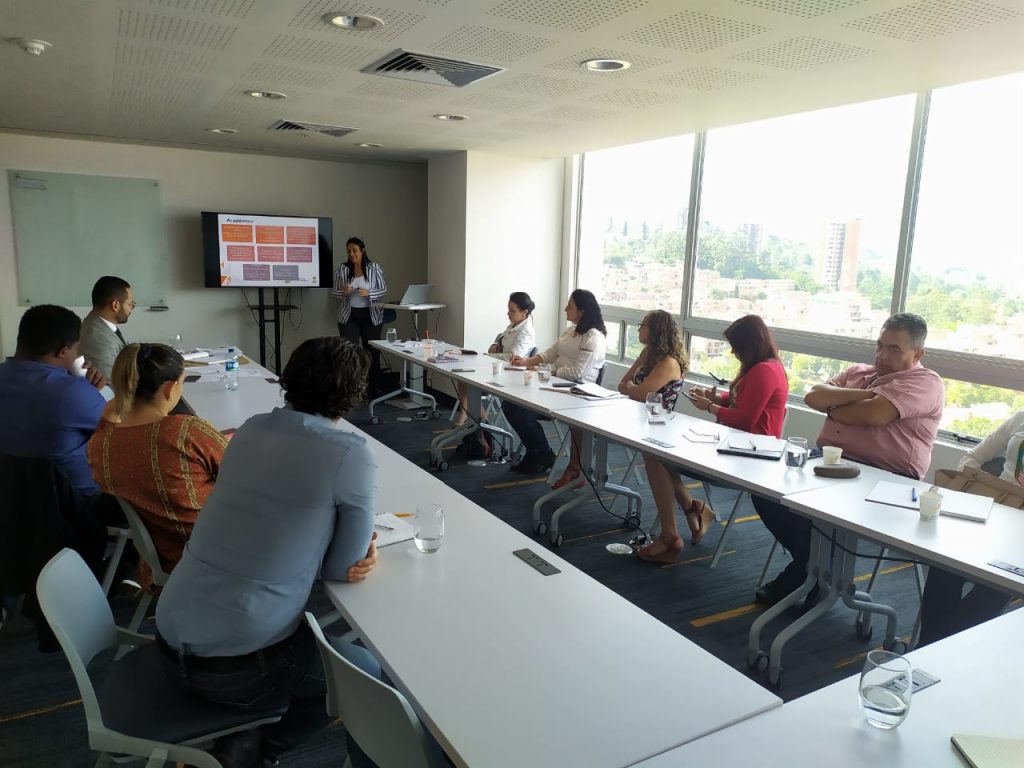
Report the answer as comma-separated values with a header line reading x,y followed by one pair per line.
x,y
176,343
885,689
653,405
495,367
544,373
391,335
796,452
428,530
528,377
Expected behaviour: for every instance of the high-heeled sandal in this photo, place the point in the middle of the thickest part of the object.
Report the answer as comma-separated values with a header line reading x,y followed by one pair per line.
x,y
664,549
701,512
567,478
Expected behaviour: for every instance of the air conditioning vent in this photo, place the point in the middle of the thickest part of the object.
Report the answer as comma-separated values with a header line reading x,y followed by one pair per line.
x,y
421,68
337,131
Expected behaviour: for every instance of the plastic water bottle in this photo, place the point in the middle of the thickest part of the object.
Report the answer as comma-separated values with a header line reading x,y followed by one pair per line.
x,y
231,370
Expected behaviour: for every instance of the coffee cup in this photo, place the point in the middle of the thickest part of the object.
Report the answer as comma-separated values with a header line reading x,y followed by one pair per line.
x,y
832,454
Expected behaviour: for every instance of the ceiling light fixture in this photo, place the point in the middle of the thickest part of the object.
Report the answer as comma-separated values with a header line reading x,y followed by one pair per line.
x,y
605,65
370,145
354,22
451,118
221,130
271,95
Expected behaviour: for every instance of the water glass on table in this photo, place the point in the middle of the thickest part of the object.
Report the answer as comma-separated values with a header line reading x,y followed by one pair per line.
x,y
543,373
653,405
391,335
495,367
796,452
428,528
176,343
886,685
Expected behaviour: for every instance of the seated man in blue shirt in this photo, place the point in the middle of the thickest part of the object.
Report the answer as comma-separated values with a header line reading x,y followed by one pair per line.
x,y
46,409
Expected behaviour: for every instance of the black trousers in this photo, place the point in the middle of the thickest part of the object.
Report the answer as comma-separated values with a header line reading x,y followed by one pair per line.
x,y
791,531
946,610
360,330
527,425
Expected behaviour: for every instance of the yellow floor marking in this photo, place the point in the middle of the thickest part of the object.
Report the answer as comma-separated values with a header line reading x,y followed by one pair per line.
x,y
885,571
40,711
714,618
741,520
514,483
860,656
698,559
618,531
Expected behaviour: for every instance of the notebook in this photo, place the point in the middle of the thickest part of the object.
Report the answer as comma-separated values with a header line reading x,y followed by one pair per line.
x,y
417,294
989,751
755,446
967,506
390,529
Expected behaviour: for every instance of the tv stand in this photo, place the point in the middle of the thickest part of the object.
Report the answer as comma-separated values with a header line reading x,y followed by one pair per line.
x,y
274,319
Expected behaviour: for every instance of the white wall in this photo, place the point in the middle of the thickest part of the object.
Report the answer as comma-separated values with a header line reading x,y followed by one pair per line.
x,y
802,421
513,243
383,203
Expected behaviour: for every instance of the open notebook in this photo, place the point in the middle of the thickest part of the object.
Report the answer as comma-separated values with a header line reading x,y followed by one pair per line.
x,y
989,751
968,506
755,446
390,529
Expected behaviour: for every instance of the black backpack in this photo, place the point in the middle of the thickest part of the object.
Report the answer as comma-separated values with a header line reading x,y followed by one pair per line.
x,y
476,445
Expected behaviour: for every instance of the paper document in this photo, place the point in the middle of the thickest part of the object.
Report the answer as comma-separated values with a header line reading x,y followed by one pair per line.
x,y
390,529
697,436
954,503
595,391
195,355
990,751
755,446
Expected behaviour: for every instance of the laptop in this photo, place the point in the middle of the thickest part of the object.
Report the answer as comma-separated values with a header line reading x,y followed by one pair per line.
x,y
417,294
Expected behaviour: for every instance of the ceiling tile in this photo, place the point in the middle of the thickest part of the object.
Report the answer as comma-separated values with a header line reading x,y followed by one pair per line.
x,y
693,32
396,21
320,52
801,53
172,30
932,18
541,85
575,15
490,45
807,9
706,78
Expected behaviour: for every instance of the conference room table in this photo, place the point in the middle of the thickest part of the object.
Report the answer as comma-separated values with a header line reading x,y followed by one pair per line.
x,y
505,666
842,519
979,692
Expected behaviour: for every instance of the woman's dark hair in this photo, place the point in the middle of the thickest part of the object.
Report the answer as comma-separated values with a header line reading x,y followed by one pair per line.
x,y
664,339
522,300
325,376
139,371
362,247
586,303
752,342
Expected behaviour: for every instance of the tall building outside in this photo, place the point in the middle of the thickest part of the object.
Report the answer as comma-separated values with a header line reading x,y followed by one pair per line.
x,y
754,233
837,256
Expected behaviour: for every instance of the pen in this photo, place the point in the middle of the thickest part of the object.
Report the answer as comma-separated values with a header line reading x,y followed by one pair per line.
x,y
913,494
384,527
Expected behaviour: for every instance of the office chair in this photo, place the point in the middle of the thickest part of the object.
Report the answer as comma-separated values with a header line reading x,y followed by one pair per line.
x,y
377,716
136,711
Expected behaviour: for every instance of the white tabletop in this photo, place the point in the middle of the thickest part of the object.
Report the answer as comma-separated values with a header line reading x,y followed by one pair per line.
x,y
625,421
229,410
979,693
511,668
415,307
960,545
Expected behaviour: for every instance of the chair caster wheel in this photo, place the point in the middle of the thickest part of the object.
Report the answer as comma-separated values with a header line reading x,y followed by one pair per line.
x,y
375,420
760,662
556,541
443,465
540,528
435,414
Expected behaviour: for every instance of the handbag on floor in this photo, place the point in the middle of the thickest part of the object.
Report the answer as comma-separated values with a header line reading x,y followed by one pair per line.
x,y
980,483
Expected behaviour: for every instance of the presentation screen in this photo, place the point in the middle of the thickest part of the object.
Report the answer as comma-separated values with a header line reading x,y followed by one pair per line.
x,y
242,250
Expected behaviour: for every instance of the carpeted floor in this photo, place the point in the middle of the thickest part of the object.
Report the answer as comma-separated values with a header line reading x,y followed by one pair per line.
x,y
41,720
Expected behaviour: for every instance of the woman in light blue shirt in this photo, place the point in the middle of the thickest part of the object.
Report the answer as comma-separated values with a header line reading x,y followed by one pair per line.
x,y
294,501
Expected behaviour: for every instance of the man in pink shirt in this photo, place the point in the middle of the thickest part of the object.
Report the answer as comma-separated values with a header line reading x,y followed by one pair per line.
x,y
886,415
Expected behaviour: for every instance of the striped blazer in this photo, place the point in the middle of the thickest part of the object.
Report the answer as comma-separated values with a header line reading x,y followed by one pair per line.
x,y
378,288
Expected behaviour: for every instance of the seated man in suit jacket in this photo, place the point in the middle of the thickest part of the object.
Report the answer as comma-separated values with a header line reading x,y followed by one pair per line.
x,y
112,303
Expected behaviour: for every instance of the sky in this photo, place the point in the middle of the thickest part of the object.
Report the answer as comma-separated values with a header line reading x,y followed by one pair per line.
x,y
795,173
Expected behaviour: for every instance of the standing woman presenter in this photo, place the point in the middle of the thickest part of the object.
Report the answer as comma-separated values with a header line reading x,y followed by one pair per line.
x,y
360,287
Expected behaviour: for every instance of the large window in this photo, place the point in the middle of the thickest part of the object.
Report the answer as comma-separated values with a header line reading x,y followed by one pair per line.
x,y
824,223
633,219
800,218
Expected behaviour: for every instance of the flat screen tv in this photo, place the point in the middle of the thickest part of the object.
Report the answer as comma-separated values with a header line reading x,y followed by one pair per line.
x,y
244,250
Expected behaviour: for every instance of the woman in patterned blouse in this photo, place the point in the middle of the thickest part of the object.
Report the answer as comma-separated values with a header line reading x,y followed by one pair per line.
x,y
163,465
660,368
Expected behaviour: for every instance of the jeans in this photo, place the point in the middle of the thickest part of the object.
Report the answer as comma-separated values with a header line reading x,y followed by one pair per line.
x,y
360,330
946,610
527,425
791,531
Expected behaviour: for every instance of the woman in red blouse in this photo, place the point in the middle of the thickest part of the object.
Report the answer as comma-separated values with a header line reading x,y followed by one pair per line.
x,y
755,402
163,465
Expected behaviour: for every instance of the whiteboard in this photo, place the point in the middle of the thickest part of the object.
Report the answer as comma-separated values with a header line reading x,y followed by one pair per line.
x,y
70,229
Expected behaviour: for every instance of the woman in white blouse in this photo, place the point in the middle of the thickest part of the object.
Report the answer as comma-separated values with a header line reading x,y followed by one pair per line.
x,y
945,607
515,341
578,355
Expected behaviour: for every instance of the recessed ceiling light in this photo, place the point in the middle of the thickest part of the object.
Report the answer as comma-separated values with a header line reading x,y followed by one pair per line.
x,y
370,145
354,22
272,95
605,65
454,118
221,130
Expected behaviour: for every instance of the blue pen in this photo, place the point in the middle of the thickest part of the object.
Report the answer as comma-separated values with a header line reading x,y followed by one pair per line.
x,y
913,494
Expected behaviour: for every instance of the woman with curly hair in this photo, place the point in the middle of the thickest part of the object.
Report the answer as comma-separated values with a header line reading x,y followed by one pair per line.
x,y
294,501
755,402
